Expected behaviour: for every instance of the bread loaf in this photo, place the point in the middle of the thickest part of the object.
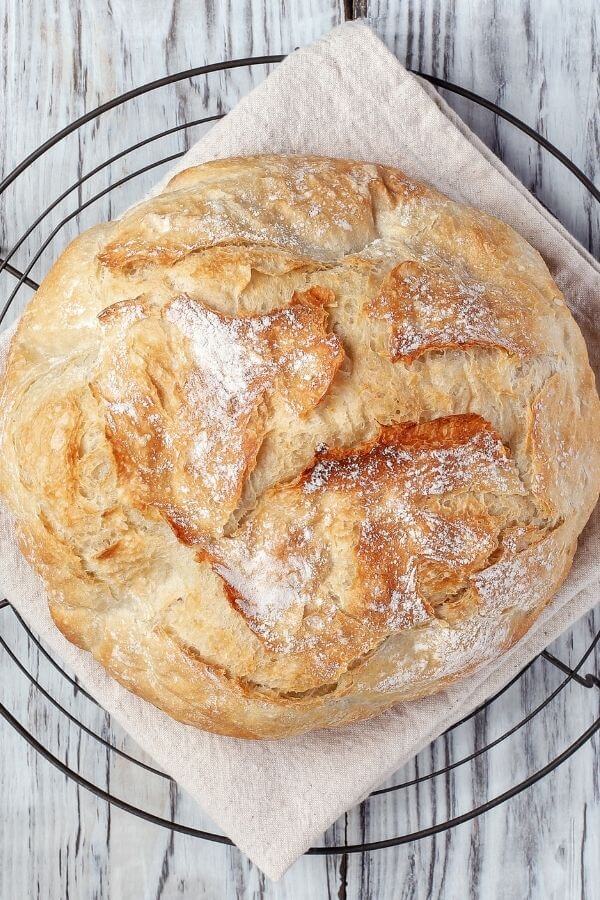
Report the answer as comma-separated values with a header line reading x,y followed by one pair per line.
x,y
296,439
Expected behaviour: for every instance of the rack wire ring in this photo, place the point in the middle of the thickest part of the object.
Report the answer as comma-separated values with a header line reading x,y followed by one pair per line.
x,y
23,278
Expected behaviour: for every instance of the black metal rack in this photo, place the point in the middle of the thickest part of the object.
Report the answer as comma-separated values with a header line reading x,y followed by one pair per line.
x,y
574,675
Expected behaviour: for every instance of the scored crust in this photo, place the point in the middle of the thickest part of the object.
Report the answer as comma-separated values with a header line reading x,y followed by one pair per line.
x,y
297,439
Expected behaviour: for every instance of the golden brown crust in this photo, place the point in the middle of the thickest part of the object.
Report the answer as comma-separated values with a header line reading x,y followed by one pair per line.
x,y
429,307
297,439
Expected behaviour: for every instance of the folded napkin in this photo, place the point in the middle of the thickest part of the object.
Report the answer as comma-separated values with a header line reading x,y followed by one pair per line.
x,y
344,96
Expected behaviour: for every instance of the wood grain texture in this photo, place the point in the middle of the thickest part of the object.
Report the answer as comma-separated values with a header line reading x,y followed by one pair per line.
x,y
59,59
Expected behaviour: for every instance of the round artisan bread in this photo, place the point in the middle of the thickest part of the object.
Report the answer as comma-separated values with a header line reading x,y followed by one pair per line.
x,y
296,439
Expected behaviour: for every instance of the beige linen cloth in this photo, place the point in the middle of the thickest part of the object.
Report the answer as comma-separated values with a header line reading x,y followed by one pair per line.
x,y
344,96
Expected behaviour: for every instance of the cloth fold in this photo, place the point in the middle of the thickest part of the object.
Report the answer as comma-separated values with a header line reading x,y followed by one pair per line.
x,y
344,96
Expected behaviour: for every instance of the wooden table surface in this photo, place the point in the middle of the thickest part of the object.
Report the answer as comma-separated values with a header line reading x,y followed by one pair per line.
x,y
540,60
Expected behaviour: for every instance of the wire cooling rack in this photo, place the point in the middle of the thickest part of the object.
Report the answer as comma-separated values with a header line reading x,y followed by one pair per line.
x,y
457,757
